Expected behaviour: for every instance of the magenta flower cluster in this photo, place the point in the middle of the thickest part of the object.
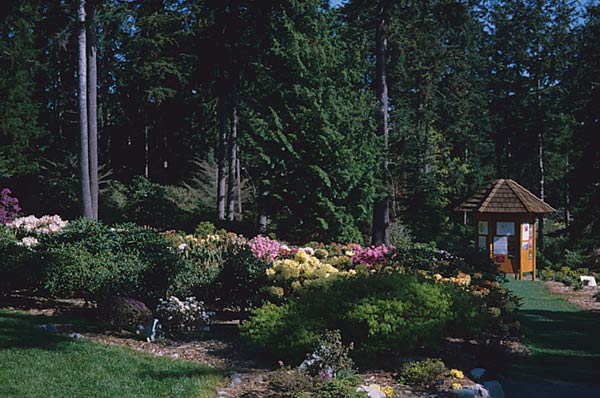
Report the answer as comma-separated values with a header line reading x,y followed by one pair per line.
x,y
9,206
369,255
265,248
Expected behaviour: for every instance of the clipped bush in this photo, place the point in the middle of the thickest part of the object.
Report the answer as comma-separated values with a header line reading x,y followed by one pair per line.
x,y
426,374
380,313
18,266
142,262
182,318
124,312
337,388
73,271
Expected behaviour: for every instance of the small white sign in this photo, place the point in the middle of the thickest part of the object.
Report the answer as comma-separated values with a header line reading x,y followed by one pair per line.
x,y
500,245
505,228
588,280
525,229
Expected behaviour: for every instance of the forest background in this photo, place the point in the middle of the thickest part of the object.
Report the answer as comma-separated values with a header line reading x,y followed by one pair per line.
x,y
304,119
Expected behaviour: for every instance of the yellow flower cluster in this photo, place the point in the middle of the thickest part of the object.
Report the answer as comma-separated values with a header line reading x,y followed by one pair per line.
x,y
457,374
387,390
456,386
460,279
302,271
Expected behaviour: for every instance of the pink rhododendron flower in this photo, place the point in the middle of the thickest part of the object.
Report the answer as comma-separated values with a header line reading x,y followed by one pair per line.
x,y
265,248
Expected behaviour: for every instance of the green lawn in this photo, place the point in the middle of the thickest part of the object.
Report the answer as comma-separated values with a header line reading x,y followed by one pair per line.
x,y
565,340
34,364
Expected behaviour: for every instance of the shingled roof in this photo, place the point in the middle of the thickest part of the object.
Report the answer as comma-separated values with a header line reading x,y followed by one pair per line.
x,y
504,196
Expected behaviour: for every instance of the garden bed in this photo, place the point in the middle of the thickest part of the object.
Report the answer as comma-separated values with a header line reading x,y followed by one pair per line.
x,y
221,349
583,298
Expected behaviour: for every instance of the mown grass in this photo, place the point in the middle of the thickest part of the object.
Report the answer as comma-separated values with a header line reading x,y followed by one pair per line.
x,y
564,340
35,364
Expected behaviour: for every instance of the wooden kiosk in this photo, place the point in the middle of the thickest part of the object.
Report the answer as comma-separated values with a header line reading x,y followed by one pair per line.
x,y
505,214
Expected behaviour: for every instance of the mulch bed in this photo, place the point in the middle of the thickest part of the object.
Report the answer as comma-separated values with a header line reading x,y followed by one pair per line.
x,y
583,298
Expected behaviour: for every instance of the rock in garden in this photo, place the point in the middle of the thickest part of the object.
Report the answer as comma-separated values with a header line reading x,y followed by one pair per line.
x,y
477,373
235,379
495,389
222,394
77,336
153,331
479,391
463,393
52,329
372,392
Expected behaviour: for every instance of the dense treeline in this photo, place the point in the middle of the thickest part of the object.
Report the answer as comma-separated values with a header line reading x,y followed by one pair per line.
x,y
304,117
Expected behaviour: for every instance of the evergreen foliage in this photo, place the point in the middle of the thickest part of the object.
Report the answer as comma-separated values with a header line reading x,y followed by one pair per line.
x,y
476,91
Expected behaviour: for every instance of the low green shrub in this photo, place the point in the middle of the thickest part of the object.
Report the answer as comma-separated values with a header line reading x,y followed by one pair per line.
x,y
295,383
73,271
19,268
380,313
427,373
337,388
124,312
240,280
91,260
566,275
205,228
289,383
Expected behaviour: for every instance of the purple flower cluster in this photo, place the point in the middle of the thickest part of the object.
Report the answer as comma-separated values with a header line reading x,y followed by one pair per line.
x,y
265,248
9,206
369,255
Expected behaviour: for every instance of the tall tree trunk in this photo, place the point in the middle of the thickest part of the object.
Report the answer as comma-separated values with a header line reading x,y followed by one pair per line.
x,y
146,148
238,184
221,154
542,175
262,209
381,209
92,88
567,195
84,161
540,241
232,156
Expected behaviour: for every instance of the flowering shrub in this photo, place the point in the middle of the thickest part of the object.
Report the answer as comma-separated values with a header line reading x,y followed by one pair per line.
x,y
369,255
329,358
266,248
9,206
182,318
300,272
38,226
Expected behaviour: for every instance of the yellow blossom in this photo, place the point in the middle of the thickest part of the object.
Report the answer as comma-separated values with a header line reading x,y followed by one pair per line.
x,y
456,386
457,374
388,391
